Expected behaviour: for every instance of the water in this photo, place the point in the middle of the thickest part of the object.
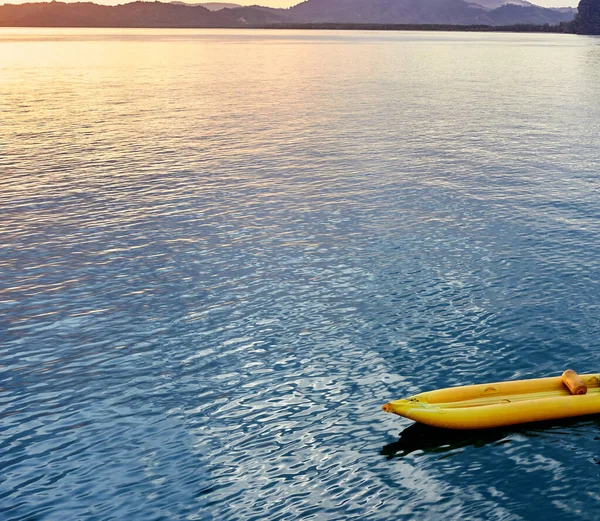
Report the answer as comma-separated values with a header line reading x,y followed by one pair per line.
x,y
222,251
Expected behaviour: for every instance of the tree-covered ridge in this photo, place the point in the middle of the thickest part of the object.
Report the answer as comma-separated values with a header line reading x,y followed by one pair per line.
x,y
587,20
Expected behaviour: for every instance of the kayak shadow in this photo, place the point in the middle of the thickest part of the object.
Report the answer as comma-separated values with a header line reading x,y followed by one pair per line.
x,y
419,437
437,440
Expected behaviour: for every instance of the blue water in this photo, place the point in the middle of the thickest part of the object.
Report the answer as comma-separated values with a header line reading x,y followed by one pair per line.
x,y
222,251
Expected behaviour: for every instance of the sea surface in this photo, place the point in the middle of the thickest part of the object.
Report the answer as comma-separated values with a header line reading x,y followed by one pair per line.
x,y
221,251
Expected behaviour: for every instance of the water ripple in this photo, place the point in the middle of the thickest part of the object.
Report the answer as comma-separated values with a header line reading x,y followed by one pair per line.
x,y
222,251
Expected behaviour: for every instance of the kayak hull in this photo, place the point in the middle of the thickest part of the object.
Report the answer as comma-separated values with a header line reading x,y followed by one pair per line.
x,y
499,404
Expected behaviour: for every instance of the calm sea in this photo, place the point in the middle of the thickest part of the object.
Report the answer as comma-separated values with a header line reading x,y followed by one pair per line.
x,y
221,251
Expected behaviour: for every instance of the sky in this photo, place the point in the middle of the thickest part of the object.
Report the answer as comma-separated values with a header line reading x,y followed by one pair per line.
x,y
283,3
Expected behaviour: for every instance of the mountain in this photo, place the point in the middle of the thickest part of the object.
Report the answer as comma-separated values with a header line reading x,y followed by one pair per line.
x,y
87,14
158,14
384,11
510,14
211,6
454,12
135,14
494,4
572,10
217,6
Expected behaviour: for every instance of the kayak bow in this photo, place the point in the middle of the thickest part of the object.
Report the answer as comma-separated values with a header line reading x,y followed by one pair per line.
x,y
503,403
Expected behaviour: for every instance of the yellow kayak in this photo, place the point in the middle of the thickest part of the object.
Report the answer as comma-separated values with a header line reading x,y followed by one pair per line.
x,y
503,403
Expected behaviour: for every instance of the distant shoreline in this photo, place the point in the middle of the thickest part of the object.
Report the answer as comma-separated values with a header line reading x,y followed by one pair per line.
x,y
519,28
